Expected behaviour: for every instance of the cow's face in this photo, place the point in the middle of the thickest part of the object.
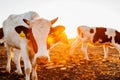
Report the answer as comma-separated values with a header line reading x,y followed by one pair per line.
x,y
57,34
37,34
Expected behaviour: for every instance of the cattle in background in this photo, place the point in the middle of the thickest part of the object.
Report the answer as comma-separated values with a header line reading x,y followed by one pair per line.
x,y
57,35
32,43
97,36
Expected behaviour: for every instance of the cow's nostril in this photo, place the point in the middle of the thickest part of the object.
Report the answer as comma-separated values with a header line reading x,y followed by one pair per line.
x,y
42,60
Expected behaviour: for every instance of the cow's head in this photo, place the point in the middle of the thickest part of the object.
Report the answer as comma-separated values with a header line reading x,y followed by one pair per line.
x,y
37,35
57,34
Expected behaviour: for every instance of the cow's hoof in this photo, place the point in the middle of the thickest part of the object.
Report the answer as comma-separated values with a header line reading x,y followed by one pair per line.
x,y
19,72
87,59
42,60
35,78
105,60
8,69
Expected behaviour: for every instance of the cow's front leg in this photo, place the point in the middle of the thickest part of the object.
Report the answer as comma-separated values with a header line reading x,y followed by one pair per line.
x,y
34,73
105,48
74,44
84,49
25,57
17,57
9,55
118,49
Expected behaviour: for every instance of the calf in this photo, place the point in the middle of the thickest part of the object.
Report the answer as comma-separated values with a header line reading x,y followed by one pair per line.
x,y
97,36
8,31
57,34
33,32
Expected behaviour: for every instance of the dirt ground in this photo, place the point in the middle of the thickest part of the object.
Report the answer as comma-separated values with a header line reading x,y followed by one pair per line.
x,y
63,67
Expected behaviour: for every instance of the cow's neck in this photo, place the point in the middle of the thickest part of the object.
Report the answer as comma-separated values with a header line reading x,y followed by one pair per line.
x,y
32,40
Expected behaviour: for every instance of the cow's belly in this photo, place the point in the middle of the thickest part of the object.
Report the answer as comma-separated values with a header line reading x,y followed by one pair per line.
x,y
100,44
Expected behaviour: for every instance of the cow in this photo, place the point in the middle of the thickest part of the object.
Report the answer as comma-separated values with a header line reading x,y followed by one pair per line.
x,y
27,32
12,21
97,36
57,35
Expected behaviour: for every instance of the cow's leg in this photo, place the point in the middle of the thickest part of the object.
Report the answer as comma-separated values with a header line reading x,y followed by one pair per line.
x,y
17,57
75,43
84,49
105,48
34,73
25,57
9,55
118,48
39,59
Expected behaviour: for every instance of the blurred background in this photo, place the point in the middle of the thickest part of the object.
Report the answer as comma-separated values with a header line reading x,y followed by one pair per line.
x,y
71,13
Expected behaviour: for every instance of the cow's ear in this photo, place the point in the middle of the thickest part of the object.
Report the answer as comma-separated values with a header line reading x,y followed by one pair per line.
x,y
26,21
59,28
54,20
19,29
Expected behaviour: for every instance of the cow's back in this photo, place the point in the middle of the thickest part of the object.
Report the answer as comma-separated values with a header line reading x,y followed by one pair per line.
x,y
10,35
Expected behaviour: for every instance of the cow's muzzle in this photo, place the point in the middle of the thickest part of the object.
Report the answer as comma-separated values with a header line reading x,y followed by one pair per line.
x,y
42,60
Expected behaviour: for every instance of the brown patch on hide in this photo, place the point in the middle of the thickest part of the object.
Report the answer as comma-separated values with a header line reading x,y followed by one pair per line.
x,y
30,50
1,33
91,30
100,36
32,40
117,37
20,28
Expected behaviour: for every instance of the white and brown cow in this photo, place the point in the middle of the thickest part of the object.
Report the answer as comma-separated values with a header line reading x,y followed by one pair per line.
x,y
32,42
97,36
12,39
56,33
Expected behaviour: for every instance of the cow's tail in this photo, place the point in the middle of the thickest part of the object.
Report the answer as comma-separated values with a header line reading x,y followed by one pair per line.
x,y
1,36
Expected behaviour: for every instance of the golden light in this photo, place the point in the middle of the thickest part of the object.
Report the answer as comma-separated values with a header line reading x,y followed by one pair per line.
x,y
50,39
